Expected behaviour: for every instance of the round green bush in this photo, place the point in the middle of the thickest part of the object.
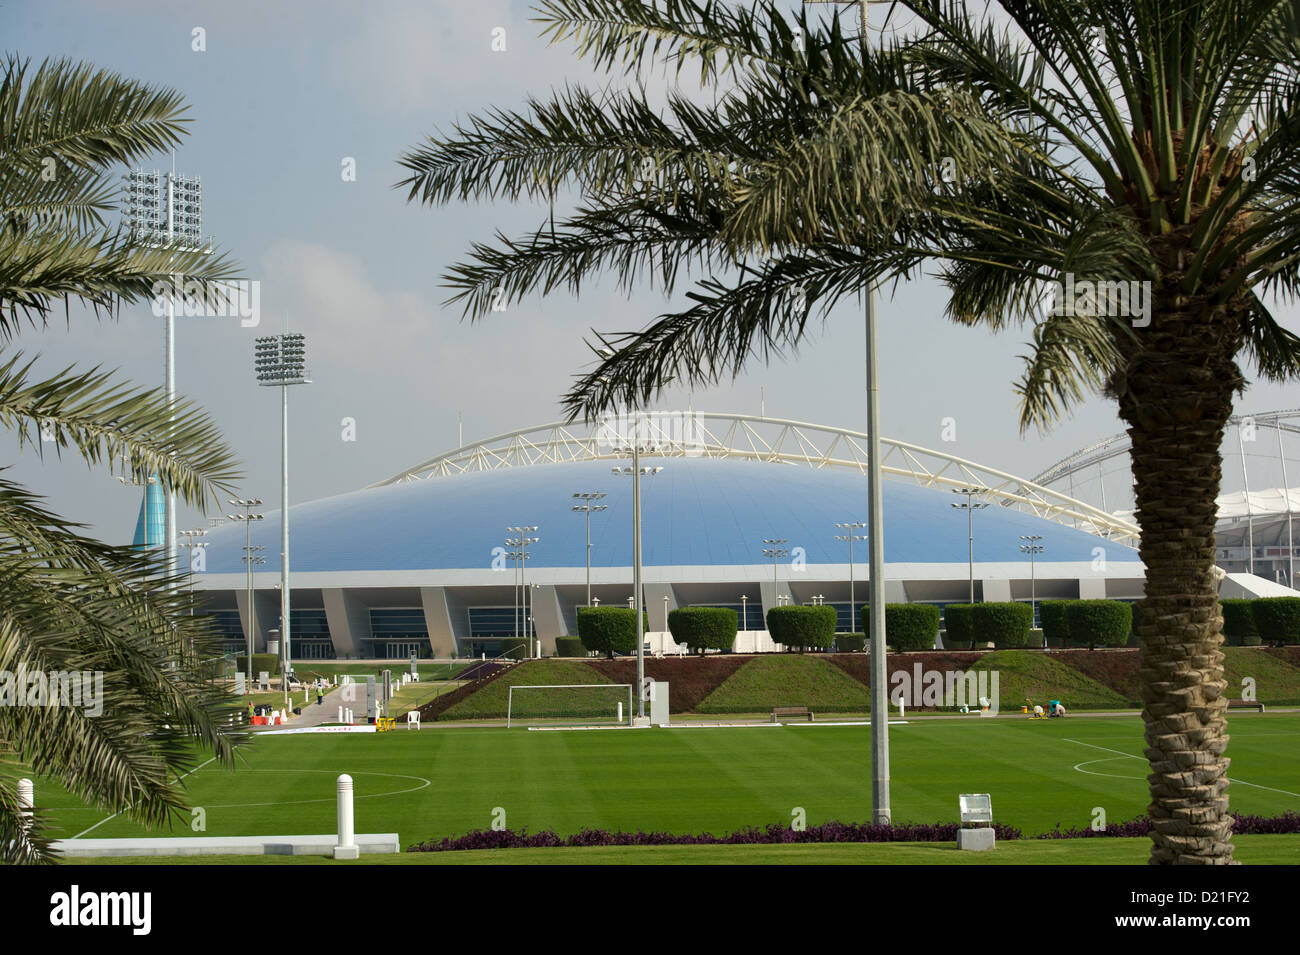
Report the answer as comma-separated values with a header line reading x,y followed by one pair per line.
x,y
911,626
802,626
1095,623
1006,624
1051,613
704,628
959,625
850,642
569,647
1238,621
1277,619
609,630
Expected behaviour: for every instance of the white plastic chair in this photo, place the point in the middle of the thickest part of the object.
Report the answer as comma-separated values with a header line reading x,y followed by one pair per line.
x,y
413,719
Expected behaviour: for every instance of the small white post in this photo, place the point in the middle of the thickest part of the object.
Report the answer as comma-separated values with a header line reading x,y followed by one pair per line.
x,y
900,708
347,846
340,714
620,711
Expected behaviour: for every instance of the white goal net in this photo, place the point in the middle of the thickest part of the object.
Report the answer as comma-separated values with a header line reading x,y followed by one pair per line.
x,y
593,704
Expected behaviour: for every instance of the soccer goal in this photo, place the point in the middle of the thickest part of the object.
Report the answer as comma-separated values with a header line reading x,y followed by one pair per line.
x,y
588,703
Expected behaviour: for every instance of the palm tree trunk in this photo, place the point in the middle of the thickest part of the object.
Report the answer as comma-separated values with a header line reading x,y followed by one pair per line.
x,y
1176,396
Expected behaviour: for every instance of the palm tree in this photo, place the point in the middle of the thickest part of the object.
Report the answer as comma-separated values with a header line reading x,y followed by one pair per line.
x,y
74,605
1022,147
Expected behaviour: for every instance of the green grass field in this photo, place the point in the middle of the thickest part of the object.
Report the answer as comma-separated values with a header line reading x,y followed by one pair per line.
x,y
440,782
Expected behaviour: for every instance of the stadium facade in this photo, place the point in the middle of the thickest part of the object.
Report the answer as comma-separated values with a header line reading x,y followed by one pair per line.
x,y
420,563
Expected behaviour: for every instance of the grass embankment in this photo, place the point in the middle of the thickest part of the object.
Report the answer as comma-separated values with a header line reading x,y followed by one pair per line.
x,y
489,702
787,680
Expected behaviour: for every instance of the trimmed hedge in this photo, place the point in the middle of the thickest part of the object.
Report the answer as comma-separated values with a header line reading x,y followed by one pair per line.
x,y
1094,623
795,626
1277,619
1051,613
1238,622
704,628
1007,624
959,625
569,647
270,662
850,642
609,630
911,626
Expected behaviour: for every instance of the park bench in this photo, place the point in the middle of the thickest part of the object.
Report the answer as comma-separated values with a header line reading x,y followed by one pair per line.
x,y
1245,704
791,711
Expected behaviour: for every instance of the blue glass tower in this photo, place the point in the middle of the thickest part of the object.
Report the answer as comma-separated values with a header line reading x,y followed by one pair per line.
x,y
150,526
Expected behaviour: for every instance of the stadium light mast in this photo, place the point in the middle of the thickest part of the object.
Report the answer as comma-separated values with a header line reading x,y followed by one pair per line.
x,y
191,542
775,551
970,506
249,559
278,362
588,505
876,539
165,210
851,534
637,471
519,555
1033,549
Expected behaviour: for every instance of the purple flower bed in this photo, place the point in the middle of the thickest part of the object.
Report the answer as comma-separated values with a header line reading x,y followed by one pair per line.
x,y
778,833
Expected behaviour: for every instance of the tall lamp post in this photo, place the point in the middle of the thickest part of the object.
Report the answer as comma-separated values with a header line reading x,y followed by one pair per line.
x,y
519,555
1033,549
775,551
744,611
249,558
191,542
970,506
876,542
637,472
851,534
165,210
280,361
588,505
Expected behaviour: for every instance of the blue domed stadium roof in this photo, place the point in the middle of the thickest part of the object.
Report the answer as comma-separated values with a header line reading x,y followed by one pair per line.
x,y
696,512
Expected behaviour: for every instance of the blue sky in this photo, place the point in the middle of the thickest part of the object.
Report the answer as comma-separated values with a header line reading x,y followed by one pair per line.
x,y
283,93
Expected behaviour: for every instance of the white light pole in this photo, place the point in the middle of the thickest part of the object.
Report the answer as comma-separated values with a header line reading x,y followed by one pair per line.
x,y
280,361
851,534
637,471
519,555
250,559
876,543
165,210
588,505
776,551
970,506
1033,549
744,611
192,542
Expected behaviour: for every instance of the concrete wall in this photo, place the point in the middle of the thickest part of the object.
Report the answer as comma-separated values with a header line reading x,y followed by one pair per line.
x,y
349,622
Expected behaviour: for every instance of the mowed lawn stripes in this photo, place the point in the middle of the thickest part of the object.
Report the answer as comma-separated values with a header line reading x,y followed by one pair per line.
x,y
701,780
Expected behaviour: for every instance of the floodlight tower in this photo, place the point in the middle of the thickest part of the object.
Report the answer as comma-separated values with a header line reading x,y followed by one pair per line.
x,y
775,551
191,542
163,209
637,446
851,534
280,361
1033,549
588,505
249,559
970,506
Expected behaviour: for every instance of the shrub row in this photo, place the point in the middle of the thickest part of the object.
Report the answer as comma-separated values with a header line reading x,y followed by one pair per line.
x,y
1088,623
802,627
780,833
569,647
609,630
704,628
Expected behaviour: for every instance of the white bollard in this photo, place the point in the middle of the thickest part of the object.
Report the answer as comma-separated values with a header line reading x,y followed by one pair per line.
x,y
340,714
347,846
620,711
900,708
